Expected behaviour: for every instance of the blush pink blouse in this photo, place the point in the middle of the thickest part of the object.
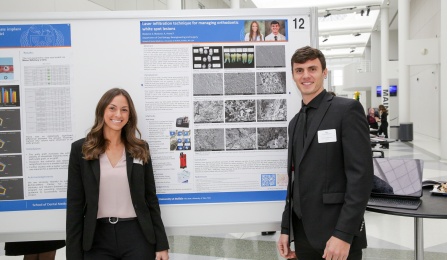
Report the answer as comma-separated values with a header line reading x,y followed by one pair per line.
x,y
114,192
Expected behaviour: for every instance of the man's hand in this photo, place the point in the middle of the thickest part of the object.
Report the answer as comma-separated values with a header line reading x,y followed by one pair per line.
x,y
284,247
336,249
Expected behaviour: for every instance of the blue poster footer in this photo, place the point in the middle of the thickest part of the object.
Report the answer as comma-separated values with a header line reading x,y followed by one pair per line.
x,y
164,199
222,197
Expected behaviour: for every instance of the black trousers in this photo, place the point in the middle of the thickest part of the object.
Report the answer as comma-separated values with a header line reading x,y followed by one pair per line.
x,y
303,249
121,241
383,129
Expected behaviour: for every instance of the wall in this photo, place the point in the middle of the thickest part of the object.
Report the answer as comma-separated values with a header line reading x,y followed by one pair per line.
x,y
107,5
425,23
49,6
424,100
393,45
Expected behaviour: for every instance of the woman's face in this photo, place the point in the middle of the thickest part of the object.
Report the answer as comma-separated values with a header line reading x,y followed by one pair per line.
x,y
371,111
116,114
254,27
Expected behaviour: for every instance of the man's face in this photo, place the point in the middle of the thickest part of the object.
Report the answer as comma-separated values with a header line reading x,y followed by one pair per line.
x,y
275,28
309,78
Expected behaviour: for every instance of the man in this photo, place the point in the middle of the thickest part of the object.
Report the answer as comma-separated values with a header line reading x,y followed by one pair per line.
x,y
275,35
330,169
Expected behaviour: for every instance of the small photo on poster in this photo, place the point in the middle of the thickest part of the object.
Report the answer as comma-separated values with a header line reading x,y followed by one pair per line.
x,y
239,57
240,138
209,140
11,189
272,138
6,68
9,119
237,111
271,82
240,83
10,142
208,84
272,110
180,140
272,56
255,31
9,96
207,57
208,111
275,30
11,166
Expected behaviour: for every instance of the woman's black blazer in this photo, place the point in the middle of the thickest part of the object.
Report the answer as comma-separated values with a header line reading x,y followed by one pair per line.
x,y
82,202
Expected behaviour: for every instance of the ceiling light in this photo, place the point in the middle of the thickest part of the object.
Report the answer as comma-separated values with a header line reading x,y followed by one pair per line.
x,y
325,39
362,12
367,11
356,34
327,14
352,51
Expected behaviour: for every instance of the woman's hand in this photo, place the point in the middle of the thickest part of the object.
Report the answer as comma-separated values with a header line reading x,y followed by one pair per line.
x,y
162,255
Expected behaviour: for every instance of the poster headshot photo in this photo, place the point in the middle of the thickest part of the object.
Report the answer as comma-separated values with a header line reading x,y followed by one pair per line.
x,y
254,30
275,30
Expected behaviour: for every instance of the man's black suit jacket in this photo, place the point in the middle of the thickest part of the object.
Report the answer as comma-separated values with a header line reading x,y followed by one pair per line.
x,y
82,202
335,177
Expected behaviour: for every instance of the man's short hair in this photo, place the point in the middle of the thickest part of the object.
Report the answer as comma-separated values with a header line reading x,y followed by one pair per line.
x,y
308,53
274,22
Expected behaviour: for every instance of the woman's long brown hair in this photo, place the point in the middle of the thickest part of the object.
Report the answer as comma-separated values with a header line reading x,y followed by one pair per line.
x,y
95,142
253,35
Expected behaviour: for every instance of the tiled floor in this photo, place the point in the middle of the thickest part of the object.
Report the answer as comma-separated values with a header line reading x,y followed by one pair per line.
x,y
389,237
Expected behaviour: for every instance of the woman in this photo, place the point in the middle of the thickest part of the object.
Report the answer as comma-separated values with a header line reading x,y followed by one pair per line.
x,y
112,207
383,128
372,120
254,34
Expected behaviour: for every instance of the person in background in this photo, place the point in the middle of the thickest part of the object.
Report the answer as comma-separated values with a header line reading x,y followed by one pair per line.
x,y
112,208
34,250
275,35
372,120
330,169
383,128
254,34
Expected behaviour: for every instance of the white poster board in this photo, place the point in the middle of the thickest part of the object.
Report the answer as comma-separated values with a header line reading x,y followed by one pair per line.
x,y
213,106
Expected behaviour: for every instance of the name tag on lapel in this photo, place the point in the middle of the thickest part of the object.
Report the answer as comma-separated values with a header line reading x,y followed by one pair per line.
x,y
327,136
139,161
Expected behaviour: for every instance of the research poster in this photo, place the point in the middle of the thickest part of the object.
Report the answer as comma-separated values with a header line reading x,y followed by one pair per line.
x,y
36,127
216,106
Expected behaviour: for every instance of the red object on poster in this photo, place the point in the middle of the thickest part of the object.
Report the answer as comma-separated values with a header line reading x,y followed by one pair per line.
x,y
6,68
182,160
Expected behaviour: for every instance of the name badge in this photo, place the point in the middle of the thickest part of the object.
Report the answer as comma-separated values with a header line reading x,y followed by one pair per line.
x,y
139,161
327,136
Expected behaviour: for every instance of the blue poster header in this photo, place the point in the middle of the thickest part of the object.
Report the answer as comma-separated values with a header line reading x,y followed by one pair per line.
x,y
206,30
35,35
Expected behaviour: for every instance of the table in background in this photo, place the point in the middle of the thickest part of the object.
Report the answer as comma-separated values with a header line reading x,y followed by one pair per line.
x,y
432,207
